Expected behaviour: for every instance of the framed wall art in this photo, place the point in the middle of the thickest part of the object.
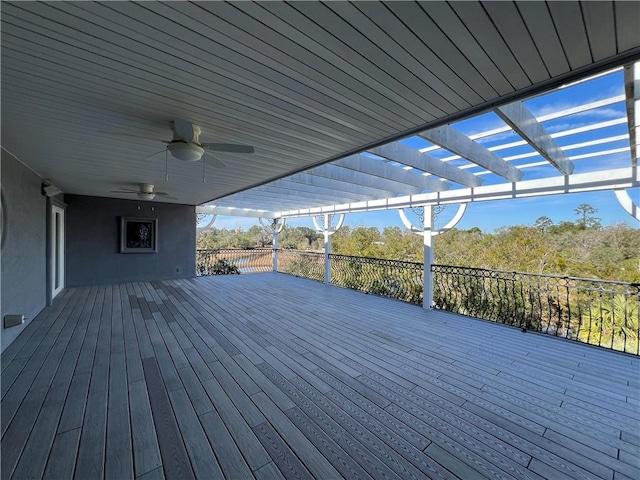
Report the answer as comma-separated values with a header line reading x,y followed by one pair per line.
x,y
138,235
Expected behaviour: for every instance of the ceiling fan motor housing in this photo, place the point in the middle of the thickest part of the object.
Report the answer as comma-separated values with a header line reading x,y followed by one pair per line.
x,y
146,192
187,152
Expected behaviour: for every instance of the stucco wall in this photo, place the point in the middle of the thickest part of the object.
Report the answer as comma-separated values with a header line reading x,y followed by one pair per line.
x,y
24,272
93,241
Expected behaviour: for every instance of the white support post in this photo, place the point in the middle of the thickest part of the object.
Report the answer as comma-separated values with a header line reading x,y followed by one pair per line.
x,y
327,249
327,230
427,297
273,226
275,251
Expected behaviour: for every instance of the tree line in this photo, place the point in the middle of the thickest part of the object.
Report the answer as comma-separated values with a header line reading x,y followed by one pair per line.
x,y
580,248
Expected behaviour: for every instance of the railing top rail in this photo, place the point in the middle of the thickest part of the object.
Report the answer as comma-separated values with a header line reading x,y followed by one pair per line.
x,y
375,259
435,267
299,252
231,249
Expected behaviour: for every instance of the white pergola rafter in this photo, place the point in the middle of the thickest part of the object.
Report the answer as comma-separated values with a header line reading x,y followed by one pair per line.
x,y
273,202
358,178
518,117
451,139
400,153
561,134
543,118
324,182
371,166
286,189
232,211
289,185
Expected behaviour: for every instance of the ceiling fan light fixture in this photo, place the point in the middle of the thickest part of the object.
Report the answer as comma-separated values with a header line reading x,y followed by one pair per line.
x,y
187,152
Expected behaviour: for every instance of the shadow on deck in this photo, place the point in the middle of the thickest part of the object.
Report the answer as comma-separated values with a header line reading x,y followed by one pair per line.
x,y
271,376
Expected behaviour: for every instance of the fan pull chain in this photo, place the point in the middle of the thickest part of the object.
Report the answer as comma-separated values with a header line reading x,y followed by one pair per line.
x,y
204,174
166,165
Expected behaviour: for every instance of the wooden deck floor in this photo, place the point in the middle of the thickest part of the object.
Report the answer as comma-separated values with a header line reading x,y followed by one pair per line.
x,y
271,376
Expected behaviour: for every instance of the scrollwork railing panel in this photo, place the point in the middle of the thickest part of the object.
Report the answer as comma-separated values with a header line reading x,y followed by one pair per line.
x,y
388,278
301,264
222,261
598,312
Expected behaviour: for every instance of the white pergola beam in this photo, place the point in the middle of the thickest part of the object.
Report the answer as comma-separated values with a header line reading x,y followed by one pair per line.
x,y
632,94
371,166
451,139
584,182
404,154
235,212
518,117
335,172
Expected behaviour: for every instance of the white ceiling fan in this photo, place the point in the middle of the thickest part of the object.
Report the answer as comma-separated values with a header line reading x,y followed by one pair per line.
x,y
186,145
145,192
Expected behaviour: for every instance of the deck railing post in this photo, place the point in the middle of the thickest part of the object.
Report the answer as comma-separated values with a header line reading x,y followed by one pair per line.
x,y
327,230
274,226
275,251
327,249
427,297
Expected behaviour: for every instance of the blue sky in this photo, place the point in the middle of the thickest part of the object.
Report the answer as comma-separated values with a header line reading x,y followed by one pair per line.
x,y
491,215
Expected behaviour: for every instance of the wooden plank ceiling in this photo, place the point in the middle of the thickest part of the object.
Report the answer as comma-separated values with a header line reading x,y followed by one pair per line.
x,y
89,89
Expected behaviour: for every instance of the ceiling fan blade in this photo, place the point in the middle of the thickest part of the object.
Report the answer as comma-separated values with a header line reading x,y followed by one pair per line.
x,y
161,193
183,130
214,161
124,191
154,154
228,147
132,135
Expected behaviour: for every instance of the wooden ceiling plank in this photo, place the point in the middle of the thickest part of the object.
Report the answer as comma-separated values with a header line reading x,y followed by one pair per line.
x,y
627,16
344,58
117,96
275,155
435,45
442,14
508,21
601,30
110,75
390,56
485,34
368,58
538,20
451,139
427,64
52,52
190,67
525,124
573,35
332,82
401,153
372,166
